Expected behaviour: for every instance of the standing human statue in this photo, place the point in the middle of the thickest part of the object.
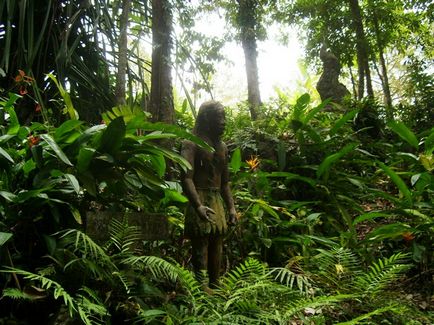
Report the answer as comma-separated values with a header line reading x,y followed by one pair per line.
x,y
206,185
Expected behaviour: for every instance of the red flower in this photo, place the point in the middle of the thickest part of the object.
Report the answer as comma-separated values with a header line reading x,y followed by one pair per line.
x,y
408,236
33,141
38,108
23,90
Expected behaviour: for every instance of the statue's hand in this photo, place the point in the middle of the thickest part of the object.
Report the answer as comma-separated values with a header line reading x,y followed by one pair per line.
x,y
233,217
204,212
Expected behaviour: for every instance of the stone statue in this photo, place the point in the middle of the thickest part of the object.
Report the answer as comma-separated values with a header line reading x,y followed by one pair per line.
x,y
328,85
207,187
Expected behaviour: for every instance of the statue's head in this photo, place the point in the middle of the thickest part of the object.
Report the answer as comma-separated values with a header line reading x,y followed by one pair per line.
x,y
210,119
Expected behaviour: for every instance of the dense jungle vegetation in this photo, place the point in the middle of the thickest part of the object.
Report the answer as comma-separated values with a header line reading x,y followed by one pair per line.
x,y
334,196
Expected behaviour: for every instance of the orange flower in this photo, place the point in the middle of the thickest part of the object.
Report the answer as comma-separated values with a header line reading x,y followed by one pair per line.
x,y
37,108
408,236
23,90
21,76
253,162
33,141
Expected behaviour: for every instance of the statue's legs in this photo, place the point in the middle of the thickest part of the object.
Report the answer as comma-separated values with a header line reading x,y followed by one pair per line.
x,y
207,254
215,252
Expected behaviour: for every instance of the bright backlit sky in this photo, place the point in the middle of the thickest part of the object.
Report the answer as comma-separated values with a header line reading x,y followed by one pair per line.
x,y
277,63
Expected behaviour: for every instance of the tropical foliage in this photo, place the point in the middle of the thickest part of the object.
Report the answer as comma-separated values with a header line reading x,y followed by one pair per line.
x,y
335,201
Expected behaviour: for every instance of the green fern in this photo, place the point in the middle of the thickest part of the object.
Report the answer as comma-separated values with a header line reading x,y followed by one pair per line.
x,y
336,268
86,304
382,274
123,236
392,308
289,278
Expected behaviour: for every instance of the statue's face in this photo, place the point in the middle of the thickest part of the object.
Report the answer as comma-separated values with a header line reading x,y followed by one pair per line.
x,y
217,123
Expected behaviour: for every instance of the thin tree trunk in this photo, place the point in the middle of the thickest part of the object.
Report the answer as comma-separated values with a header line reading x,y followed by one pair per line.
x,y
161,105
248,39
353,82
362,51
123,53
384,76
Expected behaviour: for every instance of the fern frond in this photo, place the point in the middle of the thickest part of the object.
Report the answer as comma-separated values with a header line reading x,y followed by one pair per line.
x,y
392,308
15,293
316,302
157,266
123,236
127,284
289,278
248,272
48,284
336,268
85,245
382,274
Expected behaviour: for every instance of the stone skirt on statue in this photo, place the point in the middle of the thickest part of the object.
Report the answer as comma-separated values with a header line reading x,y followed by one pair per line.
x,y
196,226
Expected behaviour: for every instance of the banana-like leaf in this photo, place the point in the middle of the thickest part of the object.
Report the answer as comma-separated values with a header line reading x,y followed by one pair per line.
x,y
4,154
397,180
53,145
113,136
4,237
404,132
341,122
326,164
235,163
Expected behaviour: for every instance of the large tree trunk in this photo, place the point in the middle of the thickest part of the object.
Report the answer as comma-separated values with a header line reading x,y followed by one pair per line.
x,y
246,18
161,105
123,53
362,51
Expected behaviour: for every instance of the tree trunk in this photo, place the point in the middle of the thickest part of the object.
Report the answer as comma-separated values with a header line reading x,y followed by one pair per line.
x,y
362,51
247,22
161,105
123,53
384,77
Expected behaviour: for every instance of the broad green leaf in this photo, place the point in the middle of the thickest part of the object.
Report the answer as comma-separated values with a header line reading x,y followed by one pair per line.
x,y
113,136
5,138
4,237
174,196
5,155
28,166
397,180
74,182
427,161
73,115
370,216
159,164
429,143
341,122
84,158
76,214
404,132
65,128
290,176
174,129
235,163
314,111
393,230
8,196
53,145
326,164
300,106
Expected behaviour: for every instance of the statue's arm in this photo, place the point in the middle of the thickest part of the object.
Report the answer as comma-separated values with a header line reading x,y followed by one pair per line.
x,y
226,189
188,151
